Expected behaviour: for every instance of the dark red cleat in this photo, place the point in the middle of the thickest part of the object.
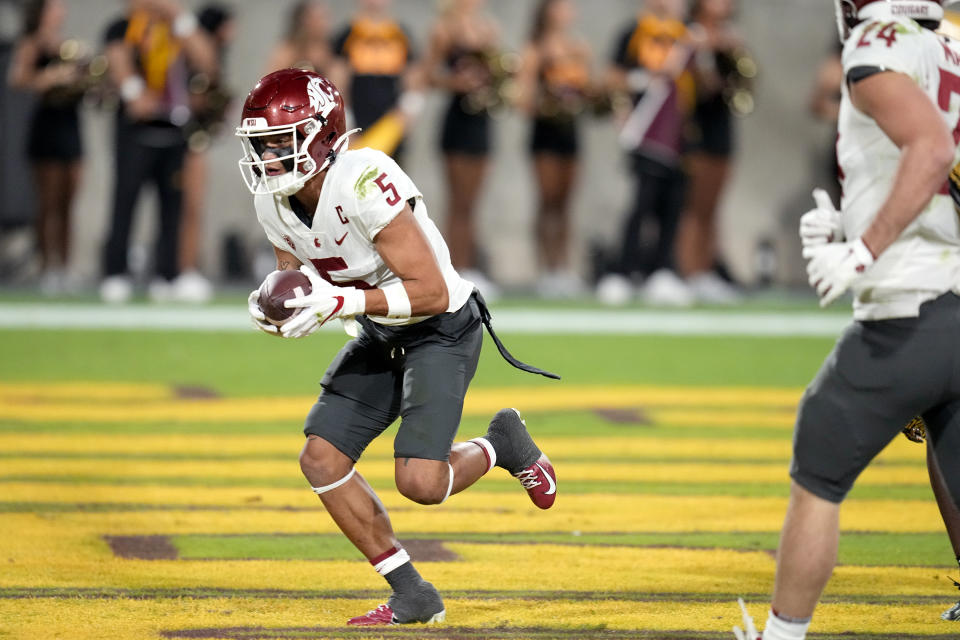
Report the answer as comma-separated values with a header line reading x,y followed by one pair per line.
x,y
383,615
540,481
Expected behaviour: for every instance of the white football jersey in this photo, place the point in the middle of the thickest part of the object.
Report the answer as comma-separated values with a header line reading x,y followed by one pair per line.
x,y
363,191
924,262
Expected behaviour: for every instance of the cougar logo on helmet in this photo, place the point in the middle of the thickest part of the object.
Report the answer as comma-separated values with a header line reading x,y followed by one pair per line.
x,y
320,101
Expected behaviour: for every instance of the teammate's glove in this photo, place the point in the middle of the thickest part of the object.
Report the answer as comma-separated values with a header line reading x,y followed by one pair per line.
x,y
749,631
324,303
822,224
256,314
835,266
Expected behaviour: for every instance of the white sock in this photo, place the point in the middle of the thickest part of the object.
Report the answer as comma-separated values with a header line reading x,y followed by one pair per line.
x,y
488,451
779,629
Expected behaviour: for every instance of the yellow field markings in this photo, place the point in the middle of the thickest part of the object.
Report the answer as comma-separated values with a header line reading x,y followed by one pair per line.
x,y
86,562
470,512
293,410
43,403
26,392
675,473
129,618
637,445
539,397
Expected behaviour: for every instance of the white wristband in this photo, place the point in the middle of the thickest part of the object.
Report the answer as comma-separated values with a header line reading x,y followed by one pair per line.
x,y
184,24
132,88
398,302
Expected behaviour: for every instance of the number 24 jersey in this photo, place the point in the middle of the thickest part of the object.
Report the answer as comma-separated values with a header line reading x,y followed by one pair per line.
x,y
363,192
924,262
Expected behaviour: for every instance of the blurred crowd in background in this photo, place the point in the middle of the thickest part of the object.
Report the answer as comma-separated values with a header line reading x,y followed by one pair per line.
x,y
673,82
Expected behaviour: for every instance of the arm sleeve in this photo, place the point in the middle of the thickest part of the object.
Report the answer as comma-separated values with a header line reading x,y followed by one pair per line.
x,y
381,190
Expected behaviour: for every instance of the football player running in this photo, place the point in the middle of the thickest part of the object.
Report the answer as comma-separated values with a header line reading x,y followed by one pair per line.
x,y
357,226
895,244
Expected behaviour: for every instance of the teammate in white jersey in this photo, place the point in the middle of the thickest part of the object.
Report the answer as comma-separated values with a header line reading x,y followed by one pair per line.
x,y
895,244
357,226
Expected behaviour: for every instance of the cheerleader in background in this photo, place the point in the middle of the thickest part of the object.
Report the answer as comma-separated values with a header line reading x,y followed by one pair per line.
x,y
306,44
721,63
209,100
54,145
464,43
555,90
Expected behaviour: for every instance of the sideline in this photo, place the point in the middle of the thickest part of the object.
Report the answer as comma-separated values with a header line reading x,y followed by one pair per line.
x,y
535,321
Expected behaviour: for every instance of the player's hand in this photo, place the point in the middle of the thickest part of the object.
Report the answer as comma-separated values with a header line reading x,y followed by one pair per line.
x,y
834,267
749,631
822,224
324,303
256,314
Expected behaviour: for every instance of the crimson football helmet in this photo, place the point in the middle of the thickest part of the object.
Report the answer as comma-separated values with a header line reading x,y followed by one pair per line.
x,y
299,103
851,12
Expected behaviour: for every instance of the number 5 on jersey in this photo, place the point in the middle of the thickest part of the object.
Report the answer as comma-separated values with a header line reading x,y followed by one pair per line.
x,y
387,187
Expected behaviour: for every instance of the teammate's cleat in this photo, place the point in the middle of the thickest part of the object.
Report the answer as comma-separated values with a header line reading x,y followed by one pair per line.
x,y
540,481
517,453
749,631
384,615
953,613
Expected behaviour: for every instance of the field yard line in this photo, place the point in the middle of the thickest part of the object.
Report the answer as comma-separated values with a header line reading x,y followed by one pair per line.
x,y
254,410
539,321
469,618
746,406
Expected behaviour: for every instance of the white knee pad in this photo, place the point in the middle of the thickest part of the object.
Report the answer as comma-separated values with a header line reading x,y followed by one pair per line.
x,y
330,487
449,484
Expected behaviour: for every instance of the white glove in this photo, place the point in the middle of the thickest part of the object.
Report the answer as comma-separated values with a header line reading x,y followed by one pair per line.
x,y
834,267
256,314
749,631
324,302
821,225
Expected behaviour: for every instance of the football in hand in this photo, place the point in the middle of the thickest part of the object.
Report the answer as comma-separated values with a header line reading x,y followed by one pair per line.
x,y
277,288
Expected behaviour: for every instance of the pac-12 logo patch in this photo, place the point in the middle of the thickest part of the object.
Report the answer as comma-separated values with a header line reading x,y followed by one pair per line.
x,y
290,242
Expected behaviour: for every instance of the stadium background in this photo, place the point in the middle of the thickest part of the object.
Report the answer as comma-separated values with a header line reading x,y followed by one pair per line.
x,y
148,478
780,143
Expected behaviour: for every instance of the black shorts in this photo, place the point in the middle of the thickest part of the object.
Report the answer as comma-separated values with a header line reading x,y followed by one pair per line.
x,y
418,372
554,136
879,375
55,135
465,133
711,129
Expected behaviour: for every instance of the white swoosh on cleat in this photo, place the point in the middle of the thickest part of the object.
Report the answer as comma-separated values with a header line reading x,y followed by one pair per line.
x,y
553,485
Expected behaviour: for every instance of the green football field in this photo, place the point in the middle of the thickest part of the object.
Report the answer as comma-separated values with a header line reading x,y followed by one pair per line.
x,y
149,488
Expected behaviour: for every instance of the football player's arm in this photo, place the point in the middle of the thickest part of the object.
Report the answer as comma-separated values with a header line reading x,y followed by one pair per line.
x,y
406,251
286,261
912,122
